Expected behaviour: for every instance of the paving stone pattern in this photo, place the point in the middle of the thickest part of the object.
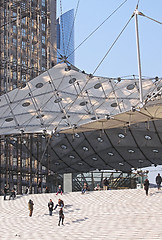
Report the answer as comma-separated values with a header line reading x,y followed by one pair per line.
x,y
112,215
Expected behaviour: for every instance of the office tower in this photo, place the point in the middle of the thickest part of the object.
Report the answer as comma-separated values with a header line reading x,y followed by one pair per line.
x,y
65,36
27,48
27,45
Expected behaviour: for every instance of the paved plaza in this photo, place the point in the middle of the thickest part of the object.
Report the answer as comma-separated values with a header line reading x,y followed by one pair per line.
x,y
112,215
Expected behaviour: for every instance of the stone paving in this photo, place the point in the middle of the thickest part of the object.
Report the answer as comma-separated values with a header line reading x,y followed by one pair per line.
x,y
112,215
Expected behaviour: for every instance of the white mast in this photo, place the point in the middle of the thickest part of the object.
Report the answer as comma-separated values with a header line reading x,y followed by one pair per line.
x,y
136,12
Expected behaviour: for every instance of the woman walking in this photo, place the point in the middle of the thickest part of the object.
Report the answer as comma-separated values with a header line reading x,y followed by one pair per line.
x,y
146,186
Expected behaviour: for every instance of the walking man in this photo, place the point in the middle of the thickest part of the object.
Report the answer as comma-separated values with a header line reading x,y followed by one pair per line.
x,y
30,206
50,206
158,181
5,192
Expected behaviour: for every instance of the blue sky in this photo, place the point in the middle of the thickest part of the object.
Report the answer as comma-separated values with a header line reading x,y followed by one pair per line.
x,y
122,59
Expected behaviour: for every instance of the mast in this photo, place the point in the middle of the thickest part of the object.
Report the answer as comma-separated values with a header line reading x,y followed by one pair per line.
x,y
136,13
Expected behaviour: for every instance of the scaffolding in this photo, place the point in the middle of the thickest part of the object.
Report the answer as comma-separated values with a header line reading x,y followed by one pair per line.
x,y
27,48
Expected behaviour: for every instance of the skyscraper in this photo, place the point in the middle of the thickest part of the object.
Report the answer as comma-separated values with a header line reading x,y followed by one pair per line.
x,y
27,48
65,36
27,40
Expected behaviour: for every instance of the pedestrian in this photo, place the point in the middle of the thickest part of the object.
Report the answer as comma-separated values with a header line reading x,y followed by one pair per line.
x,y
85,188
27,190
60,205
97,188
146,186
5,192
39,186
30,206
46,190
59,190
50,206
158,181
12,194
105,183
61,217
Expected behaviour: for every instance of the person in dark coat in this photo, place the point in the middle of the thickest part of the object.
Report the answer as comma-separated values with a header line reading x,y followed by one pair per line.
x,y
50,206
30,206
13,194
158,181
61,214
46,190
5,192
146,186
105,184
27,190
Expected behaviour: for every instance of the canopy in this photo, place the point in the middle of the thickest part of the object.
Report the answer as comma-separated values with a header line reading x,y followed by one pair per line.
x,y
94,122
64,99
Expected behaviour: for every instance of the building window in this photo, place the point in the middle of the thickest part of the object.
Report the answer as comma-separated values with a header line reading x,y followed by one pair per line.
x,y
14,14
23,32
32,22
23,5
43,40
43,26
43,3
23,45
14,75
23,77
14,41
32,35
43,52
23,62
24,20
14,28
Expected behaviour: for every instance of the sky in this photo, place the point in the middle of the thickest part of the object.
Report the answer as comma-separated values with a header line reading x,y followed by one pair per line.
x,y
122,58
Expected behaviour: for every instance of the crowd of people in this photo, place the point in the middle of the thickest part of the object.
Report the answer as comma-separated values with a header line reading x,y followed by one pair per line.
x,y
51,206
60,204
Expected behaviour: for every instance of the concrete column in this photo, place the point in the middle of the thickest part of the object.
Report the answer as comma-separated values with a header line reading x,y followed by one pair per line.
x,y
67,182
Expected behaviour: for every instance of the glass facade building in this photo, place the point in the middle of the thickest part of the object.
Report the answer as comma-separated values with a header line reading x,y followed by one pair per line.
x,y
65,36
27,48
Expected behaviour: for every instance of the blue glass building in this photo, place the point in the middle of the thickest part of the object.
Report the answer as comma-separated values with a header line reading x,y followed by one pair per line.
x,y
65,36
